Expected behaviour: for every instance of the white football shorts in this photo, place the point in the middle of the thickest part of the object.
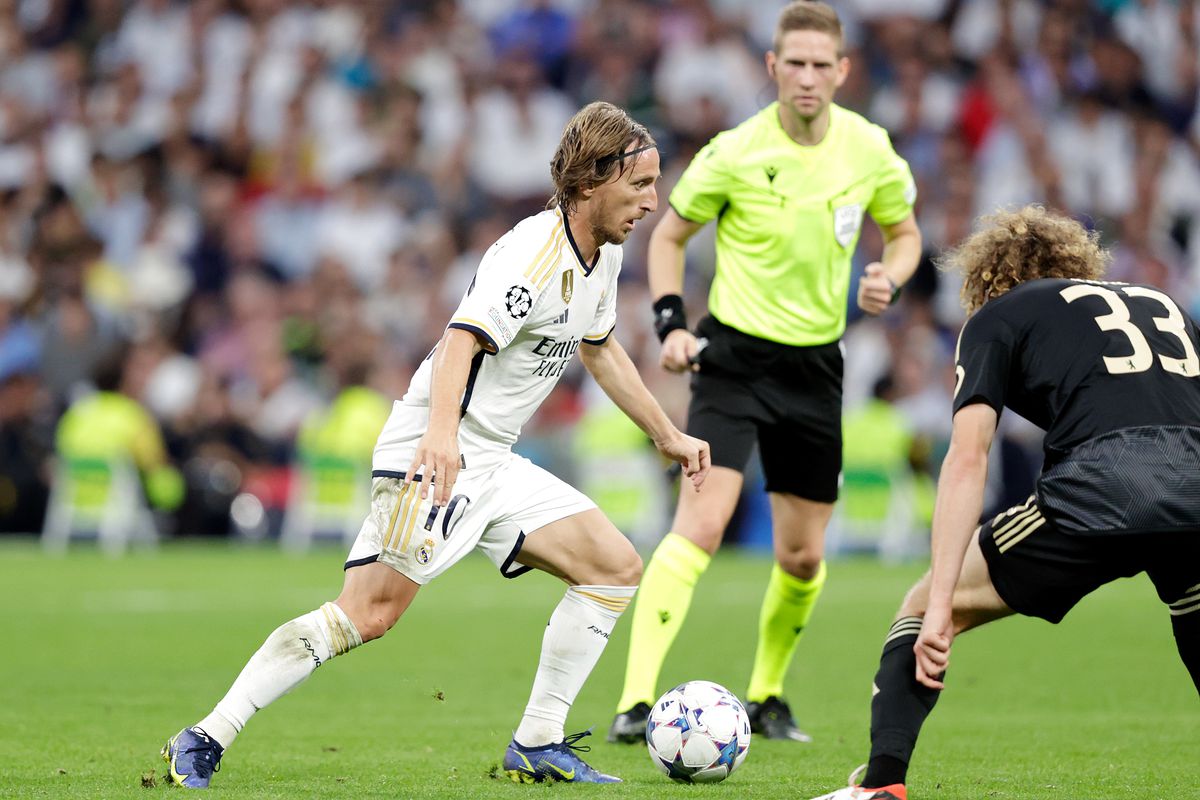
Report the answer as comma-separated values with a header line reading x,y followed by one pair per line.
x,y
491,510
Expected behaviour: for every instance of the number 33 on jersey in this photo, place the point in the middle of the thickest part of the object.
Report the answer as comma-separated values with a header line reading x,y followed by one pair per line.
x,y
1080,358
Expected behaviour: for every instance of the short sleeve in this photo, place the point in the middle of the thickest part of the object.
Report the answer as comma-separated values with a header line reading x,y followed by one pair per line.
x,y
982,361
895,191
703,188
504,291
606,313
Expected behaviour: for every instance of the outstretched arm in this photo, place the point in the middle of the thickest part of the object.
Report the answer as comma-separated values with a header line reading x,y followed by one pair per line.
x,y
612,368
437,456
955,518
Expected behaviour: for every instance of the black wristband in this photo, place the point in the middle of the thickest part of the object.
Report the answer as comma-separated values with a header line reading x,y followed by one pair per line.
x,y
669,315
896,289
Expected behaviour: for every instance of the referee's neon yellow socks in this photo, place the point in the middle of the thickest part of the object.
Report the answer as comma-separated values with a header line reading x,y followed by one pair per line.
x,y
786,609
662,603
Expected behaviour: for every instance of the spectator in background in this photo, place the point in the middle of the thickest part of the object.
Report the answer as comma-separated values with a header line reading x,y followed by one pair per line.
x,y
1093,148
223,135
513,126
26,437
110,426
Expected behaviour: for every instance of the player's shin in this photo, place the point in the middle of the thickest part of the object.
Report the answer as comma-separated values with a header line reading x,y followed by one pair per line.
x,y
285,660
663,600
1185,622
899,706
578,631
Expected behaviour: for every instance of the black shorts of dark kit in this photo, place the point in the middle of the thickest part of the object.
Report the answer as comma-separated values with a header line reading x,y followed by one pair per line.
x,y
787,399
1045,572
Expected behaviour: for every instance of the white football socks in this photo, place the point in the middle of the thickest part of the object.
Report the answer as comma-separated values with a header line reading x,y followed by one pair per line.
x,y
285,660
578,631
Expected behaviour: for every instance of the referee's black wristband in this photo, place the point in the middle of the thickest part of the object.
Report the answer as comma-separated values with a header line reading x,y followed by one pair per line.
x,y
669,315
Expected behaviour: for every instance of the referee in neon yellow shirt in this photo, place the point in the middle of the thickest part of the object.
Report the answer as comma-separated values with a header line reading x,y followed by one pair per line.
x,y
788,189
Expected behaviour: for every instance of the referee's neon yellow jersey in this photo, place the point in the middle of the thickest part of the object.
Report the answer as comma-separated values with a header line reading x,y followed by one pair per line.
x,y
788,219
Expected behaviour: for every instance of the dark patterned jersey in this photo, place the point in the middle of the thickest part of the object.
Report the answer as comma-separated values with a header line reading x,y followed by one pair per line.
x,y
1082,359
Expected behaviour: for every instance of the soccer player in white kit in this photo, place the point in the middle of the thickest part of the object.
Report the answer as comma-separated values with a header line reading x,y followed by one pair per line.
x,y
445,480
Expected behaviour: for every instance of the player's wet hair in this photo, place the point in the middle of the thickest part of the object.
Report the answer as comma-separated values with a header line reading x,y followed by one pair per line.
x,y
806,15
595,145
1012,247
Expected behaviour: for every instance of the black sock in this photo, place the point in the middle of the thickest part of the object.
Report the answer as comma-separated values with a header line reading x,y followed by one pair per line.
x,y
899,707
1187,639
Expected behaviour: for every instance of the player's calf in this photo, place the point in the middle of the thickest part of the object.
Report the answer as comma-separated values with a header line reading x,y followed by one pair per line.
x,y
1185,623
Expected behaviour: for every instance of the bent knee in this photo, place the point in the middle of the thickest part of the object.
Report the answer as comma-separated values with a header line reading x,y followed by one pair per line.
x,y
626,571
706,534
803,564
630,573
371,620
916,601
619,569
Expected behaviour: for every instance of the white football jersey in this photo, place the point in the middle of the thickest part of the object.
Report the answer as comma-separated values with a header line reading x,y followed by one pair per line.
x,y
533,301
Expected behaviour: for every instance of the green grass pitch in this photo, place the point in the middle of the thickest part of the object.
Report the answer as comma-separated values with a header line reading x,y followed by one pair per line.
x,y
106,658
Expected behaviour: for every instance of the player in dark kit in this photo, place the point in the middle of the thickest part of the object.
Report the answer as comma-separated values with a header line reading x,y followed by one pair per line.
x,y
1111,372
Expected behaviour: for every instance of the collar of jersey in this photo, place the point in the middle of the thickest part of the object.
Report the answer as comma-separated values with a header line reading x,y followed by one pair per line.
x,y
587,270
834,109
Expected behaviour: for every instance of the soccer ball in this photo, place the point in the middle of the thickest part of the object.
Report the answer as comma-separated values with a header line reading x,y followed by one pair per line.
x,y
698,733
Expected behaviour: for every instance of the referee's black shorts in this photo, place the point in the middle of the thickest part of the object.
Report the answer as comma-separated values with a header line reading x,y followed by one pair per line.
x,y
787,399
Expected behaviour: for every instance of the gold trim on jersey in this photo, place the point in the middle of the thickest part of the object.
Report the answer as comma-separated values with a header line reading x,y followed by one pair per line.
x,y
555,234
546,270
476,323
599,337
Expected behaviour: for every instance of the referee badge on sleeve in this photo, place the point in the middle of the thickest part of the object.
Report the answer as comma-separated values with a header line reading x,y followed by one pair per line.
x,y
846,221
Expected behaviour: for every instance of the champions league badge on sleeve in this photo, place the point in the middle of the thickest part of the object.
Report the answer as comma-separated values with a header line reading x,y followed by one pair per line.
x,y
518,301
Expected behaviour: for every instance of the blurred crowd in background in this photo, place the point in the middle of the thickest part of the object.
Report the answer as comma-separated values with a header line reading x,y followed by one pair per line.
x,y
231,212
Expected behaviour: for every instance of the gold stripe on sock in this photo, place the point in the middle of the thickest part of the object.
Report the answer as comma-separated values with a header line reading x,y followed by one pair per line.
x,y
1179,609
338,645
1189,595
908,626
611,603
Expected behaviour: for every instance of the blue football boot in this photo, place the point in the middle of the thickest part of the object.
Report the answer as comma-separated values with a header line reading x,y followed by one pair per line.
x,y
552,762
193,757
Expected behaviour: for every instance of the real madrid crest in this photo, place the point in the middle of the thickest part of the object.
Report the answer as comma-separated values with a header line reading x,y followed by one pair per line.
x,y
568,285
425,552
